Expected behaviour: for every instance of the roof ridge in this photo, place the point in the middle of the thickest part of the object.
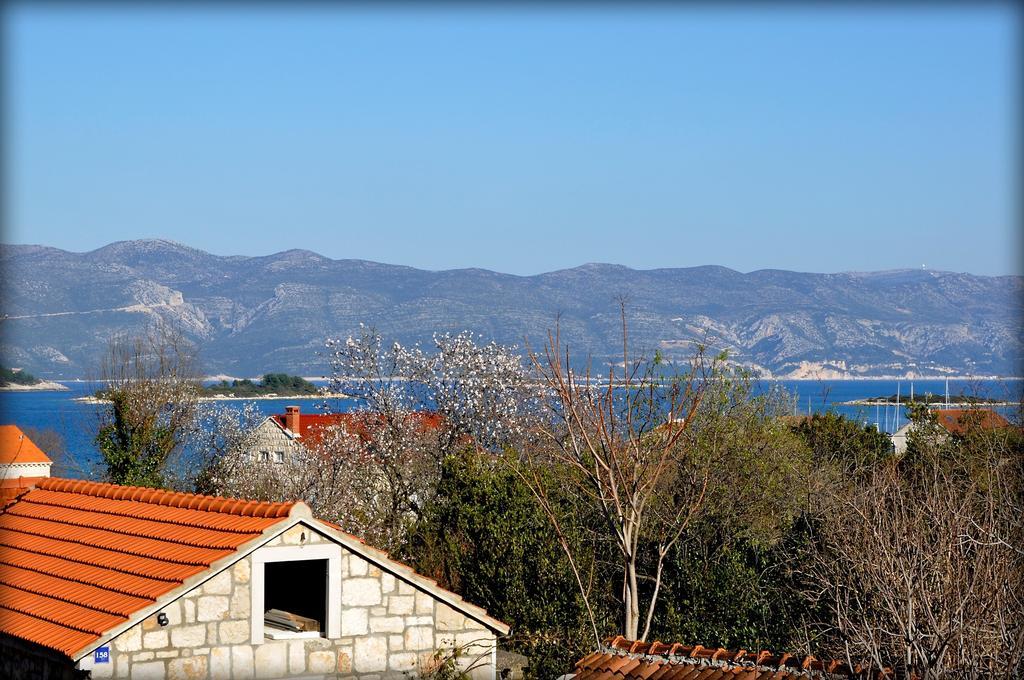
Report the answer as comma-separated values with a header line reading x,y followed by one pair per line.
x,y
124,513
806,666
174,499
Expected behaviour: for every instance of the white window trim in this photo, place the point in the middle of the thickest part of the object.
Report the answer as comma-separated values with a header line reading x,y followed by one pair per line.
x,y
322,551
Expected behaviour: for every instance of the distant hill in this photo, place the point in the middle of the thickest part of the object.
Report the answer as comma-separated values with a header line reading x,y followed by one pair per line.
x,y
249,314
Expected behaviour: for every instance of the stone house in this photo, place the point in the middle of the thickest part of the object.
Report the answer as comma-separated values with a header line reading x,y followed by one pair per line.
x,y
106,581
282,434
952,421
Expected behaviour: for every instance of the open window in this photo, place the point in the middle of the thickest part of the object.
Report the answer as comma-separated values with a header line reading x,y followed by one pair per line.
x,y
296,591
295,599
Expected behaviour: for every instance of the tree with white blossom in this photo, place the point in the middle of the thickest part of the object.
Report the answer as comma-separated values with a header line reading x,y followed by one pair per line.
x,y
413,408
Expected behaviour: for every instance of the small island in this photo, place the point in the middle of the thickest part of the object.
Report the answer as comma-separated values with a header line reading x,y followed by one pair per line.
x,y
17,380
271,384
929,400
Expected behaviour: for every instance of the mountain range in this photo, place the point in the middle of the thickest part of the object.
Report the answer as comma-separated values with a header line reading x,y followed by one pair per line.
x,y
251,315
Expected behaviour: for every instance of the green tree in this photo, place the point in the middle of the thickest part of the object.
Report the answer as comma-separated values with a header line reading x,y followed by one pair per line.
x,y
152,390
833,438
485,536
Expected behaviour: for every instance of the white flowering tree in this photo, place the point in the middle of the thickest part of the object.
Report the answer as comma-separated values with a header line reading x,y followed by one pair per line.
x,y
480,391
413,408
219,447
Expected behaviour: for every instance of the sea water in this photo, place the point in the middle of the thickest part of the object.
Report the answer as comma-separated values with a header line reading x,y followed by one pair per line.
x,y
77,422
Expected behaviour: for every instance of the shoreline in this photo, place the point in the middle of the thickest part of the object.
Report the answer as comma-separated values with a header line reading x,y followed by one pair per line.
x,y
898,378
218,397
44,386
952,404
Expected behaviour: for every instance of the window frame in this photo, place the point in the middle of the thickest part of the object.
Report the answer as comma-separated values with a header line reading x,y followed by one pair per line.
x,y
320,551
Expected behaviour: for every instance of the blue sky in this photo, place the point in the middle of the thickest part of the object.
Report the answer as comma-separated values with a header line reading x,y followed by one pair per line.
x,y
522,139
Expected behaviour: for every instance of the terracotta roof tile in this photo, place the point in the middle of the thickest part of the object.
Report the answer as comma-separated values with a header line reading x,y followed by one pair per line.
x,y
957,420
78,558
623,659
313,426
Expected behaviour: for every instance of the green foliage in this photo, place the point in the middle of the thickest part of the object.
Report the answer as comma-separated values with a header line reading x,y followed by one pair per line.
x,y
271,383
486,537
838,440
736,595
134,448
8,375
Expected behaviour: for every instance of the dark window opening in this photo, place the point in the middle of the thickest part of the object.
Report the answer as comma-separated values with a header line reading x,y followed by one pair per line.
x,y
298,588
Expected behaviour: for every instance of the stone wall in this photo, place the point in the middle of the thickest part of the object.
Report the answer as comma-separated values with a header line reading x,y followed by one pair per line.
x,y
269,437
389,629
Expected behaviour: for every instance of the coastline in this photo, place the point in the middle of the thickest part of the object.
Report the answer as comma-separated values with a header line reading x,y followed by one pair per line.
x,y
952,404
220,397
891,378
44,386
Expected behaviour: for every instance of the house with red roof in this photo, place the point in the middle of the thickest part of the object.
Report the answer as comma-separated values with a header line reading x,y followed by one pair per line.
x,y
955,421
106,581
22,463
281,435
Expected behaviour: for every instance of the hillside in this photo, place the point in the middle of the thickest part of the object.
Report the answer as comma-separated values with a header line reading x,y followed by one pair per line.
x,y
250,313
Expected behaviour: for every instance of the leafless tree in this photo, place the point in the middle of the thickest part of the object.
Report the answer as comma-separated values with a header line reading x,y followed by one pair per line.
x,y
920,561
622,437
150,382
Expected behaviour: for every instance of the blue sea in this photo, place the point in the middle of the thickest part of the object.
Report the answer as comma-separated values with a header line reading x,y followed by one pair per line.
x,y
76,422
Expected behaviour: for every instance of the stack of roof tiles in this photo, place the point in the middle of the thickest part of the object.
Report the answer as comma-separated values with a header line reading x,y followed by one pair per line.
x,y
15,449
78,558
624,659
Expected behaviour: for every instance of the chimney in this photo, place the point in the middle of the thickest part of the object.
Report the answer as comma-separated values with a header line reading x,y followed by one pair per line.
x,y
291,418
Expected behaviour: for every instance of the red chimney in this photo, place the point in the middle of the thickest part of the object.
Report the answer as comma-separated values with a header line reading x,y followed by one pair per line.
x,y
291,418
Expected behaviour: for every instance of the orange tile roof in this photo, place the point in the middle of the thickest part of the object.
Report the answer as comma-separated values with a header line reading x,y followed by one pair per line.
x,y
313,426
624,659
957,420
78,558
13,487
15,447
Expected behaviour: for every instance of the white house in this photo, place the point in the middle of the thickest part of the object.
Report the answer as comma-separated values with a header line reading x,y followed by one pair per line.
x,y
22,463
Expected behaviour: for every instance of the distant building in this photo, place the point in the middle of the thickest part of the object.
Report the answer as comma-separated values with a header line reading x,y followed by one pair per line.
x,y
622,659
281,435
108,581
22,463
954,421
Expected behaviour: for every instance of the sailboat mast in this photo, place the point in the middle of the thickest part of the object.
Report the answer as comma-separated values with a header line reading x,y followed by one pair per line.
x,y
896,415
